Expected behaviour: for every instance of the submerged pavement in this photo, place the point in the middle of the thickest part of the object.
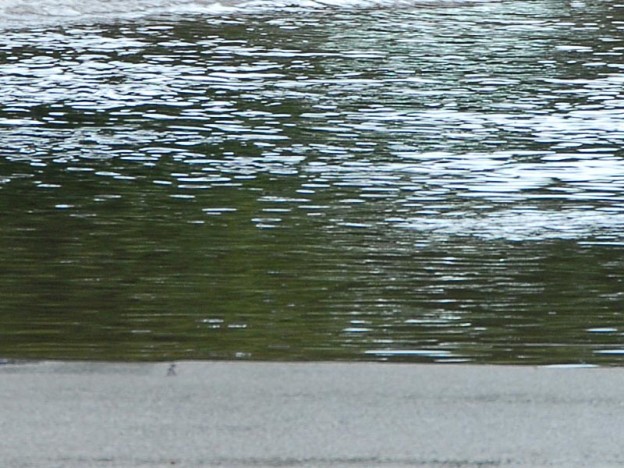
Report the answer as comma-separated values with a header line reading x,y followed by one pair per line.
x,y
84,414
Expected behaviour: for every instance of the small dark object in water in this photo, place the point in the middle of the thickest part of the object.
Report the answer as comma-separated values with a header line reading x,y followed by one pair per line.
x,y
171,371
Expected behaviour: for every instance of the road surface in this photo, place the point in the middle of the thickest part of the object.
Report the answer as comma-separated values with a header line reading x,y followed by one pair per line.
x,y
253,414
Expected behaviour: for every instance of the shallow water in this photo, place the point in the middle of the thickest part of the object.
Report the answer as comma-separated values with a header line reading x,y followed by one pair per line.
x,y
312,180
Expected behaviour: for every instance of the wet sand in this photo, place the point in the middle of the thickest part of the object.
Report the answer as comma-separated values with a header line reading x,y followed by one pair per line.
x,y
78,414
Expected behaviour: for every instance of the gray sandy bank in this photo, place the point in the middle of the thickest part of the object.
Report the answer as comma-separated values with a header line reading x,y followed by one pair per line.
x,y
78,414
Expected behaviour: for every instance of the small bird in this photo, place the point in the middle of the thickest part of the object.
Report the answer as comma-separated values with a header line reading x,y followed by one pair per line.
x,y
171,371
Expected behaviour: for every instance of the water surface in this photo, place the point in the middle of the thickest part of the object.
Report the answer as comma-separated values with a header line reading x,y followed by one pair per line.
x,y
420,181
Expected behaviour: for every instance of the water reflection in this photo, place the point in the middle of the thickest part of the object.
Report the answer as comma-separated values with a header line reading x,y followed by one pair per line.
x,y
437,184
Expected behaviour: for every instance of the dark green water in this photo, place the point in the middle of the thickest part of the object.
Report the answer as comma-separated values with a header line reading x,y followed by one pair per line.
x,y
405,182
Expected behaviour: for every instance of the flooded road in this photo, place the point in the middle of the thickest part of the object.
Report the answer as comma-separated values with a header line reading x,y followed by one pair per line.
x,y
430,182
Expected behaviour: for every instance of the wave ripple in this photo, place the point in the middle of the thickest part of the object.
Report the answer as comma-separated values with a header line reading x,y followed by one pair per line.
x,y
21,12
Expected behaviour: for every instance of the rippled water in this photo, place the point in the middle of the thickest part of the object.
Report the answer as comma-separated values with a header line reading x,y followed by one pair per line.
x,y
421,181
